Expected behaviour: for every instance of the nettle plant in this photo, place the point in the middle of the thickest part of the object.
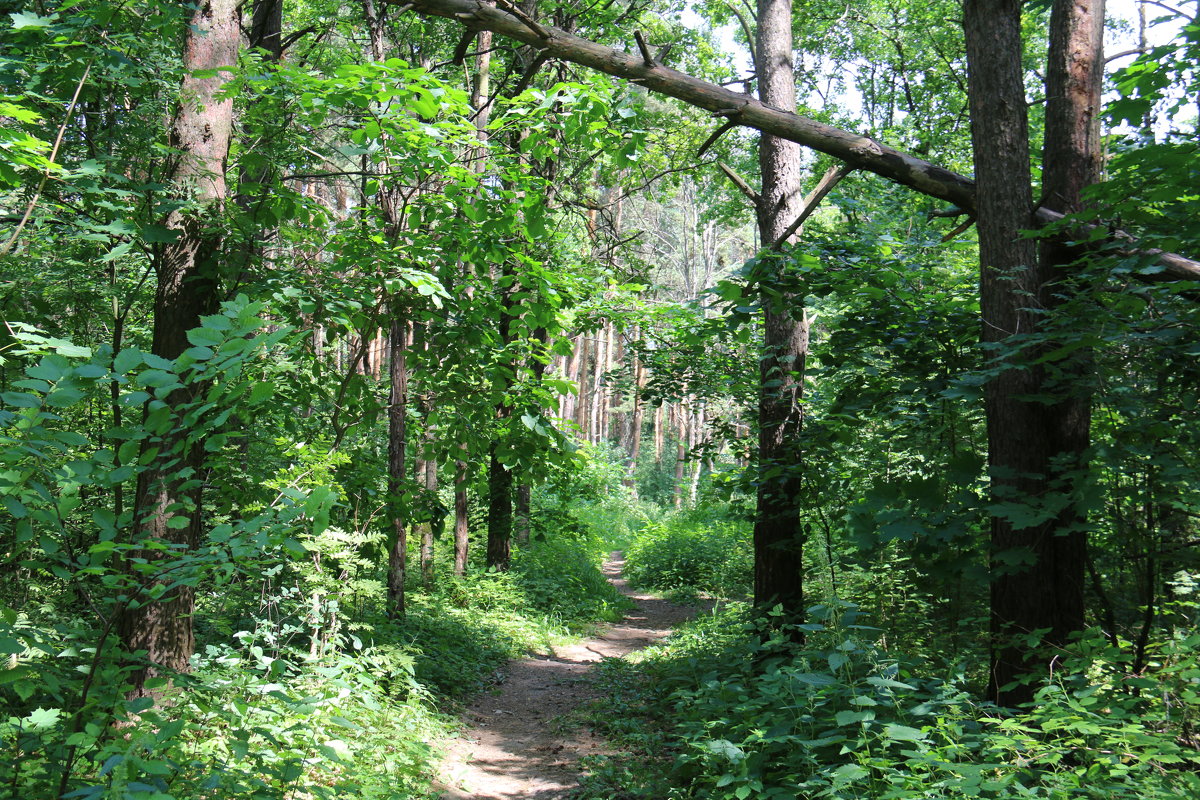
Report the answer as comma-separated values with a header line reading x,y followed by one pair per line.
x,y
71,539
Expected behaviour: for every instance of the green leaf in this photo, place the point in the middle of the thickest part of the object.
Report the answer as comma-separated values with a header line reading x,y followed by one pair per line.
x,y
726,748
261,391
126,360
903,733
158,234
43,718
22,21
853,717
63,398
205,337
847,773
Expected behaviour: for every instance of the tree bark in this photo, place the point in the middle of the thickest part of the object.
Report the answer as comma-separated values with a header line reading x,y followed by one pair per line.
x,y
266,28
500,477
188,273
581,383
524,501
397,440
500,512
635,433
461,523
1035,447
778,546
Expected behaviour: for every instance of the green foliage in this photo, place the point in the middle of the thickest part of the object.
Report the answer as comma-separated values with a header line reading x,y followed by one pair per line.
x,y
693,551
747,713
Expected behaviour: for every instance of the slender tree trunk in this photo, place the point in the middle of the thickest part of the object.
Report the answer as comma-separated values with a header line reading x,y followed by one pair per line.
x,y
778,543
581,382
698,464
188,288
681,432
635,433
500,477
612,358
374,29
524,498
461,523
597,398
658,435
397,439
427,473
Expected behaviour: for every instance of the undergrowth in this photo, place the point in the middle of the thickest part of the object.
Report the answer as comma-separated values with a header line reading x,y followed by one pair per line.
x,y
301,687
692,552
730,709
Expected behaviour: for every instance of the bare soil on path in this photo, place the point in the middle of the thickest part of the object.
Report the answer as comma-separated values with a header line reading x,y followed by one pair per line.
x,y
519,741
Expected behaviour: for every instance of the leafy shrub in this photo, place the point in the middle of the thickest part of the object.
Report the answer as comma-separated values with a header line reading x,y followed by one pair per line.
x,y
681,552
749,714
562,580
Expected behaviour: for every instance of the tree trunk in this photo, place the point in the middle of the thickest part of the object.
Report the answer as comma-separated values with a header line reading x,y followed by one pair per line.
x,y
397,439
681,433
658,435
1034,448
427,472
698,464
778,546
524,498
597,399
500,512
635,428
500,478
188,288
266,28
461,524
581,383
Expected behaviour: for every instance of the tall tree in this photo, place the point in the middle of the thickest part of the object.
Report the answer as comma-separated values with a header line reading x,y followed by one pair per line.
x,y
778,548
188,272
1036,445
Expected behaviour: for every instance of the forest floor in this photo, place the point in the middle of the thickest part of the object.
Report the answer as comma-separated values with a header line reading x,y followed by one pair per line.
x,y
522,740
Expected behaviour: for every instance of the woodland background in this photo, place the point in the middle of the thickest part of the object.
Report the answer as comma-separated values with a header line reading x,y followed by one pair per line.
x,y
341,341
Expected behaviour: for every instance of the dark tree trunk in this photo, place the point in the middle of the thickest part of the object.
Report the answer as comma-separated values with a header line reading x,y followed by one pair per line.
x,y
500,478
397,439
500,512
266,27
1035,448
778,546
188,288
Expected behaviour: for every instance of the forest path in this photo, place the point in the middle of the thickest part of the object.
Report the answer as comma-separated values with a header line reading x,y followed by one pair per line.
x,y
519,742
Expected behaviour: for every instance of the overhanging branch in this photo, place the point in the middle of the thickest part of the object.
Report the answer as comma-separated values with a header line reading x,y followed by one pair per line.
x,y
857,151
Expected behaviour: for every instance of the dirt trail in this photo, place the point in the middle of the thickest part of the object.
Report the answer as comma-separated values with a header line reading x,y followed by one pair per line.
x,y
518,743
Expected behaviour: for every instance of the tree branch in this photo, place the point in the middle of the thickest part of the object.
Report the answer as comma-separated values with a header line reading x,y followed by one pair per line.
x,y
717,134
860,152
741,183
647,59
832,177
